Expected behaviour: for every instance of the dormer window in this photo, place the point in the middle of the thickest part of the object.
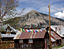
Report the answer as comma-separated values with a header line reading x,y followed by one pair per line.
x,y
8,29
56,29
59,29
63,34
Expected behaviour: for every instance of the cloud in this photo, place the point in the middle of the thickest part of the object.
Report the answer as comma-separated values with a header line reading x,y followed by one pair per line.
x,y
60,15
60,9
54,9
46,9
42,6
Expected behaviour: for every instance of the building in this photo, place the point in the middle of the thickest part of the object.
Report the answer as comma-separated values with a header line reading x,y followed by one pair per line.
x,y
36,40
55,36
7,35
60,30
32,40
7,32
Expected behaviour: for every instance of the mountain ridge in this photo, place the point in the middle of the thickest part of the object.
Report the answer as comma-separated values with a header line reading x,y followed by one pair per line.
x,y
34,17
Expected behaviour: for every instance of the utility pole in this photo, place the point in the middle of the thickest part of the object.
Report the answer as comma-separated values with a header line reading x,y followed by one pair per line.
x,y
49,29
0,20
0,23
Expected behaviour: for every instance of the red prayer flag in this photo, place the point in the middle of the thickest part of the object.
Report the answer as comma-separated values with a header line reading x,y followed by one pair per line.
x,y
25,30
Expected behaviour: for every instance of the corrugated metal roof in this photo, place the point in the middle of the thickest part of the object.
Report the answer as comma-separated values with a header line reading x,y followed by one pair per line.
x,y
40,34
17,35
25,35
31,35
53,40
55,36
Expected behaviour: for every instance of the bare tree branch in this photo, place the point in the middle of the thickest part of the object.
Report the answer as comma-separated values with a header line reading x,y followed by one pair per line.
x,y
7,6
3,14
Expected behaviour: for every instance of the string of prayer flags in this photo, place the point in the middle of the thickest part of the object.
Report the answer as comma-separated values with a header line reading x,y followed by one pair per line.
x,y
32,30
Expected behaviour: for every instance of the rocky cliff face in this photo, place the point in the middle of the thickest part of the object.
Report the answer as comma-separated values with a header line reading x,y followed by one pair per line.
x,y
34,17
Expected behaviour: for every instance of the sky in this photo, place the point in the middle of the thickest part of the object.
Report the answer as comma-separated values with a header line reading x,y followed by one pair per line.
x,y
56,7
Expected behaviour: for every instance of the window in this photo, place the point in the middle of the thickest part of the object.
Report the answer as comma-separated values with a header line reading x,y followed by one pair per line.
x,y
56,29
63,34
20,41
30,41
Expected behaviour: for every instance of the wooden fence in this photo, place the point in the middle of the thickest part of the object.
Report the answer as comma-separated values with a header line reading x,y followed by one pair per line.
x,y
6,44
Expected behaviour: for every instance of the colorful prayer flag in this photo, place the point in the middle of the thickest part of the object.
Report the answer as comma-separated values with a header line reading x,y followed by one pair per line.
x,y
23,30
31,30
40,29
36,31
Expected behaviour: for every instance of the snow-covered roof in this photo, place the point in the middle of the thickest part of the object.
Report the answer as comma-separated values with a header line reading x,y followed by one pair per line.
x,y
7,35
5,26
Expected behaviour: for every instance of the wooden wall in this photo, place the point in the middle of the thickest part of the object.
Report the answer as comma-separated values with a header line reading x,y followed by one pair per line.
x,y
37,44
6,44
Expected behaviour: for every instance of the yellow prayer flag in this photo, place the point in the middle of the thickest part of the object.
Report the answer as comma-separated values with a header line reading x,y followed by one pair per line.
x,y
21,29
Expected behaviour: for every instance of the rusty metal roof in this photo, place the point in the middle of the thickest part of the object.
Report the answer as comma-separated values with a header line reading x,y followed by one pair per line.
x,y
36,35
31,35
17,35
55,36
40,34
25,35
